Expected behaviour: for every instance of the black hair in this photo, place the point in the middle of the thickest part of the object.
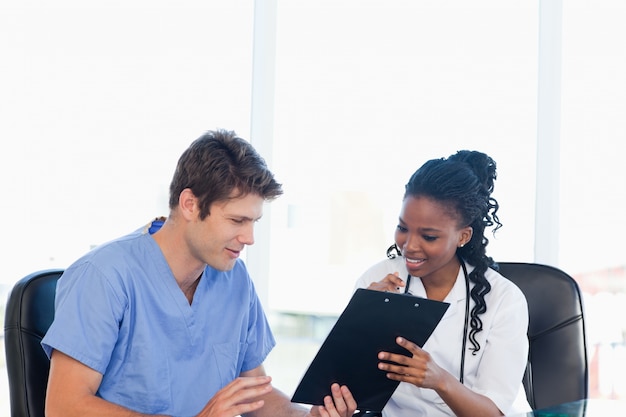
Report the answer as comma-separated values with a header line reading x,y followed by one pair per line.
x,y
463,183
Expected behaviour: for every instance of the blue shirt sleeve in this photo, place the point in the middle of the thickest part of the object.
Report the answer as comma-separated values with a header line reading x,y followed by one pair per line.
x,y
85,326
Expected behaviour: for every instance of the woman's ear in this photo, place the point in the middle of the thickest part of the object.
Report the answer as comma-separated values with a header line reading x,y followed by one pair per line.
x,y
466,236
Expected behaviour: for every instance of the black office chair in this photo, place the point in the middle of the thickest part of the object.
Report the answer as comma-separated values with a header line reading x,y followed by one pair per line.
x,y
29,313
557,370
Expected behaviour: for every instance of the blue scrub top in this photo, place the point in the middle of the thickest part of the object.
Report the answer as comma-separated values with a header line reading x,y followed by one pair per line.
x,y
120,311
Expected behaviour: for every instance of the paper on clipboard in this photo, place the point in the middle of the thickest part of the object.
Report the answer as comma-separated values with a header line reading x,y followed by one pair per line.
x,y
369,324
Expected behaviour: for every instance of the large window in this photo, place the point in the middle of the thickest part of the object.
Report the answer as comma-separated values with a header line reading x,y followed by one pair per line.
x,y
368,91
98,100
592,181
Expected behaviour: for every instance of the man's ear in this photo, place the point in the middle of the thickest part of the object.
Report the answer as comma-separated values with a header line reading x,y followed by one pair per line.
x,y
188,204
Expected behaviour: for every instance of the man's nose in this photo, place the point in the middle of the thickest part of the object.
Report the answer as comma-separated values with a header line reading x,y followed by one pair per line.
x,y
247,236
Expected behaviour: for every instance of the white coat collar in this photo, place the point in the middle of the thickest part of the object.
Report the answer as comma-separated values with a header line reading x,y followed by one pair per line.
x,y
457,293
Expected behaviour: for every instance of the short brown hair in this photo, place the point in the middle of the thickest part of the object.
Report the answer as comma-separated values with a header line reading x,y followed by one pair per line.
x,y
217,164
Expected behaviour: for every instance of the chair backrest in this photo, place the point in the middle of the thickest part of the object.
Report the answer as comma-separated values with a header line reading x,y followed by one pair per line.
x,y
29,313
557,370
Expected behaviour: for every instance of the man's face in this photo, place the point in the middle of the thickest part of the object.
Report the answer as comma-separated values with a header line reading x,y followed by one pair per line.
x,y
219,239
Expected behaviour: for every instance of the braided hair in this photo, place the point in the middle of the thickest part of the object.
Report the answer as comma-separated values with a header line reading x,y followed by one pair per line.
x,y
464,182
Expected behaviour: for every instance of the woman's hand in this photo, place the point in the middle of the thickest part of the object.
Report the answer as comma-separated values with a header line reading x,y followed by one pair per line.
x,y
391,283
419,370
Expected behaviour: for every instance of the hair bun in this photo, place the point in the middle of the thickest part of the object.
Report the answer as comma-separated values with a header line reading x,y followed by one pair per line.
x,y
482,164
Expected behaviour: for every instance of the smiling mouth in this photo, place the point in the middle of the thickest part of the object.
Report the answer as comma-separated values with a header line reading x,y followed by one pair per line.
x,y
414,261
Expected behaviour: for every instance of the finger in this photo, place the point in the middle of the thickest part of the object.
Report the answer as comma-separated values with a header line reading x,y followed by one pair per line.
x,y
415,351
245,389
395,280
233,403
385,286
408,345
390,283
244,382
395,369
318,410
394,358
314,411
405,378
339,403
245,408
403,373
329,405
349,400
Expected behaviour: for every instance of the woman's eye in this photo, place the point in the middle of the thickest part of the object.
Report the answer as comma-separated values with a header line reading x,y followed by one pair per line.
x,y
429,238
401,228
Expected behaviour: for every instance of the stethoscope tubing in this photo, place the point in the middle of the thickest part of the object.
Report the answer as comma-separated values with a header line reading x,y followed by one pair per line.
x,y
465,324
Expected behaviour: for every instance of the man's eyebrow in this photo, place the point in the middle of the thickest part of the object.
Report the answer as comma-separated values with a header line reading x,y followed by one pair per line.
x,y
242,217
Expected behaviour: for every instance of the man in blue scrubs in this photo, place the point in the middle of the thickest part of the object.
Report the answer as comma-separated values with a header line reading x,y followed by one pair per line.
x,y
165,320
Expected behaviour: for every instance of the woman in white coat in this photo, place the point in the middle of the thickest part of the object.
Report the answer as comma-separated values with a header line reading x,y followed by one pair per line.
x,y
473,363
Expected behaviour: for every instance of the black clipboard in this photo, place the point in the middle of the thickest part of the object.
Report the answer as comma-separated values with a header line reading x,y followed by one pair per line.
x,y
369,324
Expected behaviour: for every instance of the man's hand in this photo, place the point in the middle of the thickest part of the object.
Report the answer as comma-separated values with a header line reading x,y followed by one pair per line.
x,y
240,397
339,404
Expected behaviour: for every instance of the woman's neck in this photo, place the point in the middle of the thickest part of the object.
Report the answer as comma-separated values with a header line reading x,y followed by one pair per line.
x,y
439,283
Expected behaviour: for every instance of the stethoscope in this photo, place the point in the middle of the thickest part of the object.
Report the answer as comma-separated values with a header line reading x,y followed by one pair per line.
x,y
467,296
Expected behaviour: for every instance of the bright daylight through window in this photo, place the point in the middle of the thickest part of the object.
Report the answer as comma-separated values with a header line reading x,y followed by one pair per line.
x,y
99,99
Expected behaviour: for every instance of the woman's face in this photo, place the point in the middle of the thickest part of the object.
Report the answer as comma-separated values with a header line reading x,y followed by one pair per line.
x,y
428,235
